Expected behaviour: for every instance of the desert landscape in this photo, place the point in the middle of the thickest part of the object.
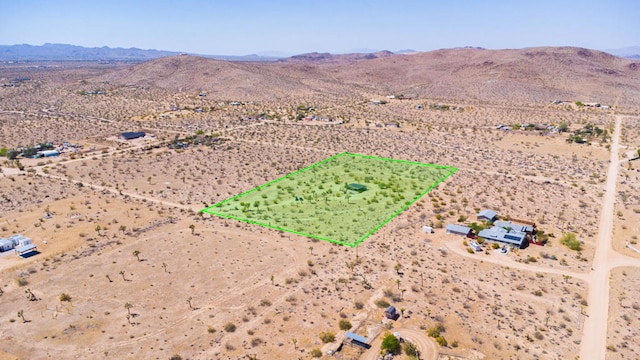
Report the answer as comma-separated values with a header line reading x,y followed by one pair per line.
x,y
128,266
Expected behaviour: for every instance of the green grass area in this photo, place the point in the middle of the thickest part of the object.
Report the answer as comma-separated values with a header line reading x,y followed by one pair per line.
x,y
342,199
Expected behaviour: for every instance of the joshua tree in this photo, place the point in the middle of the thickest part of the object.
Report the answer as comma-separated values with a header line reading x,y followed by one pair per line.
x,y
193,228
98,228
122,273
311,249
30,295
272,279
128,306
136,253
397,268
164,266
350,266
108,278
128,316
189,302
123,228
398,282
21,315
295,343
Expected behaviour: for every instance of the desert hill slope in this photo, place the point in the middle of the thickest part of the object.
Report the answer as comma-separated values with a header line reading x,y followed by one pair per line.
x,y
533,75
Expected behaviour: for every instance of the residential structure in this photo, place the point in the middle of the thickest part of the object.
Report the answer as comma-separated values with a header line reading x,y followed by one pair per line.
x,y
504,236
48,153
529,229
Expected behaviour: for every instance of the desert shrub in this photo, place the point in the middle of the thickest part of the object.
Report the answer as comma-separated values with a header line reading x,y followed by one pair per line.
x,y
22,281
256,341
383,304
410,349
435,331
441,341
65,297
229,327
570,241
327,337
316,353
175,357
390,344
344,325
211,329
358,305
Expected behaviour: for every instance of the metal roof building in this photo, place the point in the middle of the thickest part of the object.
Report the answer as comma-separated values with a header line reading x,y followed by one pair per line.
x,y
488,215
458,229
513,226
132,135
501,235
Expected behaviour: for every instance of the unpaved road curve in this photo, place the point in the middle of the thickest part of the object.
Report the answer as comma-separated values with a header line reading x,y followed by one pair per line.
x,y
428,349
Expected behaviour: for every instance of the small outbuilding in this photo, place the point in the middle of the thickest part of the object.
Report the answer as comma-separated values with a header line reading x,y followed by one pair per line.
x,y
459,230
358,340
391,313
130,135
356,187
427,229
488,215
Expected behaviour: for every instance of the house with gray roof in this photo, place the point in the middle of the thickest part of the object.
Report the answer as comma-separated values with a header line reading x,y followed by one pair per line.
x,y
513,226
504,236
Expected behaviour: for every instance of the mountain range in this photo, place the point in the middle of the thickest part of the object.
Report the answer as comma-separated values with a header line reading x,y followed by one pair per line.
x,y
62,52
522,76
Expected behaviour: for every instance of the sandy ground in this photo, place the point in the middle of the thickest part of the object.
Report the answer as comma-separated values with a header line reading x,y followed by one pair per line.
x,y
210,288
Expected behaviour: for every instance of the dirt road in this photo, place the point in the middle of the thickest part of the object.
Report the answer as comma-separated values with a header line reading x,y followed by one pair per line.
x,y
594,336
427,348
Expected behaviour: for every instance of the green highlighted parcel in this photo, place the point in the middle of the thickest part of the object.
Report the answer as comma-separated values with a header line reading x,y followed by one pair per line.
x,y
342,199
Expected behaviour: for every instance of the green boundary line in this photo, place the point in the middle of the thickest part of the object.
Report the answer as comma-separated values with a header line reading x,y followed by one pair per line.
x,y
209,210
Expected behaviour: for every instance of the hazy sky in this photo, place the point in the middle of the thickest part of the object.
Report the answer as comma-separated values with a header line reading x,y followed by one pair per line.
x,y
241,27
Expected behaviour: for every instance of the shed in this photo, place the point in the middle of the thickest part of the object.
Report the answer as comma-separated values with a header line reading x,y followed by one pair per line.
x,y
356,187
358,340
459,230
391,313
130,135
488,215
427,229
5,244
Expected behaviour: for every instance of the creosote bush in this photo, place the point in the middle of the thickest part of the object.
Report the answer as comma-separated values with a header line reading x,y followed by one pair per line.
x,y
327,337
